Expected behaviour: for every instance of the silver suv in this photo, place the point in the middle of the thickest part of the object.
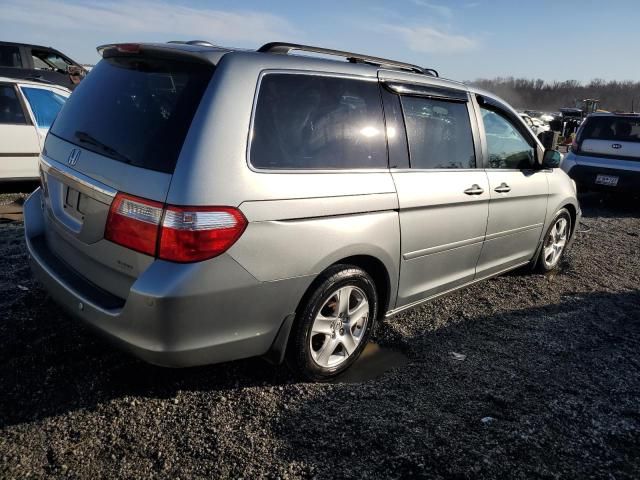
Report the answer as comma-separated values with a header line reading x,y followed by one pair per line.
x,y
202,204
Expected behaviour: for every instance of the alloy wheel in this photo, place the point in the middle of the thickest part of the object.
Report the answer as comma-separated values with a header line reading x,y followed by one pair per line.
x,y
339,326
555,242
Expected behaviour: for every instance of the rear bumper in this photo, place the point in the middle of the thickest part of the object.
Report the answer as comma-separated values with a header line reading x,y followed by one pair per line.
x,y
175,314
584,171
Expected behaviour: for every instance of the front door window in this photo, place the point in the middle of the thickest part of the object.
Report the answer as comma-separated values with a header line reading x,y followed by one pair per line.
x,y
507,147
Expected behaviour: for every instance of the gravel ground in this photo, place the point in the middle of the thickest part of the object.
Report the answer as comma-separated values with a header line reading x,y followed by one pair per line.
x,y
549,387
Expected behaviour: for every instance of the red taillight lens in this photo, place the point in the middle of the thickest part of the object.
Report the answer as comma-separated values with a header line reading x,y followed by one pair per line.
x,y
134,223
191,234
178,234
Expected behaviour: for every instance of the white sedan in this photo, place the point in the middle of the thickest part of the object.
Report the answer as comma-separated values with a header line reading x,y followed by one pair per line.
x,y
27,110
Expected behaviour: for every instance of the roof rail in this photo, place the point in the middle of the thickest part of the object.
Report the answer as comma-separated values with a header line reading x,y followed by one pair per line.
x,y
284,48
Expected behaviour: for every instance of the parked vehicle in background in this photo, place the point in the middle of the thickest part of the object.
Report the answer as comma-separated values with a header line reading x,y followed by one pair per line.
x,y
35,62
27,110
536,125
605,154
540,126
201,204
527,120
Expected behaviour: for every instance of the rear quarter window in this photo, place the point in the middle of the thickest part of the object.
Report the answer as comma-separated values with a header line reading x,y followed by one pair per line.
x,y
318,122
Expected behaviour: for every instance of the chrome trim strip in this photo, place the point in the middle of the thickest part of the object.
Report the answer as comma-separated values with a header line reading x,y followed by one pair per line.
x,y
428,91
433,170
395,311
467,242
19,154
505,233
83,183
442,248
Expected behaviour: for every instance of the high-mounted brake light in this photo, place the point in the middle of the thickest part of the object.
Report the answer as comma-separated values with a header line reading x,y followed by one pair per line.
x,y
118,47
128,47
178,234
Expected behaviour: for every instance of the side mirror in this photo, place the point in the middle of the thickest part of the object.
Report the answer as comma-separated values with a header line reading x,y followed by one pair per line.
x,y
551,159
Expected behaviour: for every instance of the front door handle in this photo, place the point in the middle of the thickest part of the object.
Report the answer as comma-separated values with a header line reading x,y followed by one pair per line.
x,y
474,190
502,188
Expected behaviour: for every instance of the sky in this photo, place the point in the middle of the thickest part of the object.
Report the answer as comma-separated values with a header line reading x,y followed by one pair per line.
x,y
462,39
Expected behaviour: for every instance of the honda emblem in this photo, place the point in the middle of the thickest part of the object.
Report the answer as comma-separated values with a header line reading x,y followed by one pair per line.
x,y
73,157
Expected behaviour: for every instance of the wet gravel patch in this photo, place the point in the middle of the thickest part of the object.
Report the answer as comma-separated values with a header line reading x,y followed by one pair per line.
x,y
522,376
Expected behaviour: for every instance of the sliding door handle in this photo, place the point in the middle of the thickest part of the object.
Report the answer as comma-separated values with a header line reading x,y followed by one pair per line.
x,y
502,188
474,190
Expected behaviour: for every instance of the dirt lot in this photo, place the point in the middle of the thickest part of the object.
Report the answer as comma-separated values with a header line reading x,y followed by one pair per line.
x,y
552,366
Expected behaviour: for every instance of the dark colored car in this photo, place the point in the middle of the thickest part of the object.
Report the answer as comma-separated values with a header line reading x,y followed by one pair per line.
x,y
35,62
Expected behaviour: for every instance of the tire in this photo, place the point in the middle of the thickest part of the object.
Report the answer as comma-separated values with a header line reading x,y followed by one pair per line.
x,y
557,235
333,324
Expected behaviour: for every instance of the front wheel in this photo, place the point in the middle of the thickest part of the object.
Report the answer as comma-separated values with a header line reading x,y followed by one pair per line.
x,y
555,241
334,323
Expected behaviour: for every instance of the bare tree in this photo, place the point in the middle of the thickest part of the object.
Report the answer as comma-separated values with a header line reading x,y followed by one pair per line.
x,y
536,94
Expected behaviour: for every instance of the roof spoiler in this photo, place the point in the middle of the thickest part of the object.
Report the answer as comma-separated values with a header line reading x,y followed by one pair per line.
x,y
158,51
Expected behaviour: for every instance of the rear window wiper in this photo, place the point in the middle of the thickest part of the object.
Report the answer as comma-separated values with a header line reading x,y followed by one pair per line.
x,y
87,138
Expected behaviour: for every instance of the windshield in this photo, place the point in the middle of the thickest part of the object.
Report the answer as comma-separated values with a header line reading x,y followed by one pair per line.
x,y
135,110
612,128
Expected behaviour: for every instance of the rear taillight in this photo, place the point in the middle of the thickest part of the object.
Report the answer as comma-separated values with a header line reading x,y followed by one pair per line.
x,y
178,234
191,234
134,223
574,146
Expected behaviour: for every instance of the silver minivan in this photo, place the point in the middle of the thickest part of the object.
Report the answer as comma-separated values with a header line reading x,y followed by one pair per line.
x,y
202,204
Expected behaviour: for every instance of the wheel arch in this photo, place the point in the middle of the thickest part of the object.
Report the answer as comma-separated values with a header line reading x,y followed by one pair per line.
x,y
378,272
573,212
370,264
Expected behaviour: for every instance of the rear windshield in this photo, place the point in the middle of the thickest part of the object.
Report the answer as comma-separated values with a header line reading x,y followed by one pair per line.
x,y
612,128
134,110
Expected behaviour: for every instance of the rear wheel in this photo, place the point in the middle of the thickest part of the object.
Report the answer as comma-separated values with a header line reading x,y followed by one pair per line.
x,y
555,241
334,323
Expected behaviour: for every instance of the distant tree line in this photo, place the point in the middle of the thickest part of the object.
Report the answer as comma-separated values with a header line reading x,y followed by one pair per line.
x,y
524,93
